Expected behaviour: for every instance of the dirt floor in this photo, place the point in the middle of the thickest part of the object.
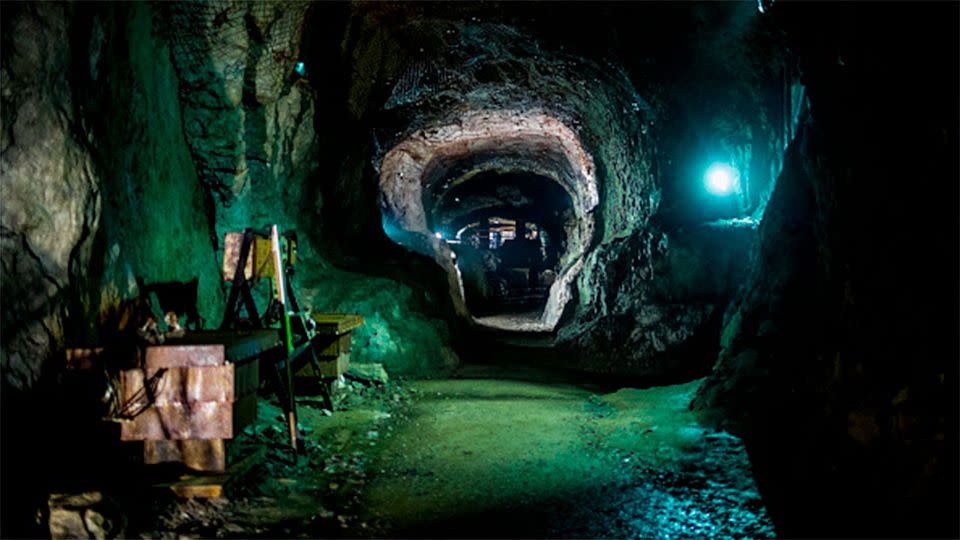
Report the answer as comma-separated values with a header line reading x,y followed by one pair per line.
x,y
488,454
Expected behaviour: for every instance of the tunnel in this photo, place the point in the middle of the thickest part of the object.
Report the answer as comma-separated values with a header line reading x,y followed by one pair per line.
x,y
299,269
533,214
527,168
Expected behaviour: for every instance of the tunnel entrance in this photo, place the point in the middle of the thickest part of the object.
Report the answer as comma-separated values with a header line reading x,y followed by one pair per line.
x,y
521,182
507,232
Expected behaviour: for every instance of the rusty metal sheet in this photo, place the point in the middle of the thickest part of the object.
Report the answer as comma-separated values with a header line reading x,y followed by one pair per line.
x,y
170,356
244,412
246,377
198,454
179,385
192,420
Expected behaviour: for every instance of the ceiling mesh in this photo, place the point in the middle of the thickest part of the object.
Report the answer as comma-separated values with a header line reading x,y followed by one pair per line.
x,y
257,42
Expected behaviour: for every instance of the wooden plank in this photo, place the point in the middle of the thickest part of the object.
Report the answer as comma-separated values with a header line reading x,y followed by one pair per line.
x,y
190,420
208,486
335,324
198,454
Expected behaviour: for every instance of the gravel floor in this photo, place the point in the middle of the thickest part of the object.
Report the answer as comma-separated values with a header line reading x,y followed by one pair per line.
x,y
480,456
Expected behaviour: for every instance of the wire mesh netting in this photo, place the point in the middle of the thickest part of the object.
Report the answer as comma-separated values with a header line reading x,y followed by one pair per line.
x,y
255,44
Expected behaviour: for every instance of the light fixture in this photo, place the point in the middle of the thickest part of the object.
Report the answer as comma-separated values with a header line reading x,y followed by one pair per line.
x,y
721,179
439,235
301,69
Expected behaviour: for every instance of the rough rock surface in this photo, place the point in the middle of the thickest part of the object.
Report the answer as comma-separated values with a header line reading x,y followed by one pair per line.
x,y
247,119
653,301
155,224
400,330
431,69
50,191
484,97
838,359
84,515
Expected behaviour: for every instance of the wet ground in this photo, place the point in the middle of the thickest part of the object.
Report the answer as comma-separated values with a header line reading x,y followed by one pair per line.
x,y
491,454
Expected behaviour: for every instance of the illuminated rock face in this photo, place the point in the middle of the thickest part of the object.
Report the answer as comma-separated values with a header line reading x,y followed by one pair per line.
x,y
495,103
381,131
838,360
508,141
49,185
629,296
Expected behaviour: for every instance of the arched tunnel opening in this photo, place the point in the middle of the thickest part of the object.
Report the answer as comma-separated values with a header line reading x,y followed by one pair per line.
x,y
521,182
299,269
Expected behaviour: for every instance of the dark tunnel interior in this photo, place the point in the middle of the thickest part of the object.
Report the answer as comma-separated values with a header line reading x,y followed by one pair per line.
x,y
479,269
507,232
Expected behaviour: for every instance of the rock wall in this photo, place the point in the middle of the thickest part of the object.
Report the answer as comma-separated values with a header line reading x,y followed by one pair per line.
x,y
247,117
652,301
838,359
155,222
433,66
50,188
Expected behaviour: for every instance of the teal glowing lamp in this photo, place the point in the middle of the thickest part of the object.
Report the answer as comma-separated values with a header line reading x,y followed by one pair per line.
x,y
721,179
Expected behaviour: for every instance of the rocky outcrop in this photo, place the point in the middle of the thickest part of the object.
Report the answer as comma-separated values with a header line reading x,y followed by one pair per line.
x,y
654,301
50,186
155,223
248,117
838,356
85,515
449,116
484,98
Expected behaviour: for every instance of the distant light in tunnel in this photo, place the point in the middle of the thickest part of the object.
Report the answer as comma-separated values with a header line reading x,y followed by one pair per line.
x,y
301,69
439,235
721,179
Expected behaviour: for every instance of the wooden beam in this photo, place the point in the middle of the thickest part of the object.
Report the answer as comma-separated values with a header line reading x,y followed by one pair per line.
x,y
216,485
335,324
198,454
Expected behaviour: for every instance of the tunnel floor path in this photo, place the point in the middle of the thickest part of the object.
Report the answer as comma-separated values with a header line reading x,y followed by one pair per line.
x,y
489,453
482,456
